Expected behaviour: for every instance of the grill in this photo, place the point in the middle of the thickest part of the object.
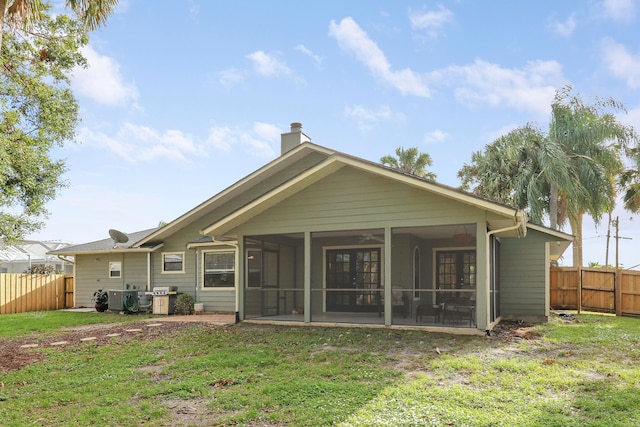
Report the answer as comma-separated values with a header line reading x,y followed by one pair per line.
x,y
164,299
164,290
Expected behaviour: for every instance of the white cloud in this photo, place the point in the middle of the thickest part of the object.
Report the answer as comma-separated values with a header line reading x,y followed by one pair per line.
x,y
431,21
267,131
491,136
317,59
194,10
135,143
632,118
566,28
366,118
529,88
436,136
231,77
352,39
221,138
102,80
621,63
619,10
268,65
259,141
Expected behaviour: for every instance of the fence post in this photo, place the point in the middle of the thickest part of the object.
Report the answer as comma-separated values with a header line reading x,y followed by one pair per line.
x,y
618,292
579,289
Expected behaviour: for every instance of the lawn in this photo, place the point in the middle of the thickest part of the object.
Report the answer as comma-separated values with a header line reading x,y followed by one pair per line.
x,y
578,372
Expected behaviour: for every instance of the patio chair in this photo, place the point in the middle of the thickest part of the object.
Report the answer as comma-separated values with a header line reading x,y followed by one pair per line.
x,y
425,309
399,302
459,308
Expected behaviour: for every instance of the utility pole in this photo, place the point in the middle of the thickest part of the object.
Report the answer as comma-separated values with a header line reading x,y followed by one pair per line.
x,y
606,257
618,237
617,240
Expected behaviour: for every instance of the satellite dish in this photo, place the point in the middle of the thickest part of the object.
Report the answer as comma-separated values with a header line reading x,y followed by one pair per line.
x,y
118,237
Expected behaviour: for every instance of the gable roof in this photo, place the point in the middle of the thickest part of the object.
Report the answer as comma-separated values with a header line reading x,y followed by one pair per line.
x,y
108,245
328,161
337,160
268,170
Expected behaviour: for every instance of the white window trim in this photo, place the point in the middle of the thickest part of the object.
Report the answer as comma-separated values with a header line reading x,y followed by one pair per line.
x,y
118,270
162,255
235,270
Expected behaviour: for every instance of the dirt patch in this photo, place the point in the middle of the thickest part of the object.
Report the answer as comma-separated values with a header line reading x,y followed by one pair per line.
x,y
511,330
21,352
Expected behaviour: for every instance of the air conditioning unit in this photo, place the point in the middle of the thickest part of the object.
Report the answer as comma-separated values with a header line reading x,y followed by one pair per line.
x,y
118,298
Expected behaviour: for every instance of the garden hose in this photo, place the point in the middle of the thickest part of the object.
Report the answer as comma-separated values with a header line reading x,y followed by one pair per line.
x,y
130,304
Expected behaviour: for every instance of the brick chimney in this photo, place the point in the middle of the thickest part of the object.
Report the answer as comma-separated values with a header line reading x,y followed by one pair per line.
x,y
291,140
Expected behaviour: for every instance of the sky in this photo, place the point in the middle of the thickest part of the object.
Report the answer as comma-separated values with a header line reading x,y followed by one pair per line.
x,y
179,103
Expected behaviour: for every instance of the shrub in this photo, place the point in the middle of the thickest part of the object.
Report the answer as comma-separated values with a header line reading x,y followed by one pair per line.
x,y
184,304
40,269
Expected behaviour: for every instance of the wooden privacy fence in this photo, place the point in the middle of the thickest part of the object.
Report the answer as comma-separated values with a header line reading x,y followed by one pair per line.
x,y
20,293
608,291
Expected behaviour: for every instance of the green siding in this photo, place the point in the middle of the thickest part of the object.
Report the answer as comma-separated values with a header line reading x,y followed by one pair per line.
x,y
523,276
352,199
92,273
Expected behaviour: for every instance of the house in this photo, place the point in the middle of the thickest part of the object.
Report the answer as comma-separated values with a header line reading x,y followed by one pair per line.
x,y
20,256
319,236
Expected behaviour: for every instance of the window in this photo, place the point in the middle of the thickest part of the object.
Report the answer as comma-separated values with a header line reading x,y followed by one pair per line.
x,y
115,269
173,262
219,269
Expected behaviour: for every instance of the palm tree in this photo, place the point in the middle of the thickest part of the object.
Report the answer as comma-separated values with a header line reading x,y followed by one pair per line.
x,y
593,140
410,161
517,169
92,13
629,182
565,173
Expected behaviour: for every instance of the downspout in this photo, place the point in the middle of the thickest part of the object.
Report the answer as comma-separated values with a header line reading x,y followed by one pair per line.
x,y
490,233
238,280
198,268
148,271
123,273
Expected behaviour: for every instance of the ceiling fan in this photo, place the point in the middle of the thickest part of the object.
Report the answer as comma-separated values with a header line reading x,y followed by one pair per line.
x,y
370,237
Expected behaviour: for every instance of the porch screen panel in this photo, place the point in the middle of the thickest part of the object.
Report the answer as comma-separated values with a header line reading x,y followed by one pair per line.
x,y
270,296
254,269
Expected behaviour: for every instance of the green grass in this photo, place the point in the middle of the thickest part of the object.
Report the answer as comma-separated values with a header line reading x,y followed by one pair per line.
x,y
584,373
17,325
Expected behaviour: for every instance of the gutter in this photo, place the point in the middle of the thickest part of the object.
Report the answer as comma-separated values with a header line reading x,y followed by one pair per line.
x,y
522,221
66,260
112,251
